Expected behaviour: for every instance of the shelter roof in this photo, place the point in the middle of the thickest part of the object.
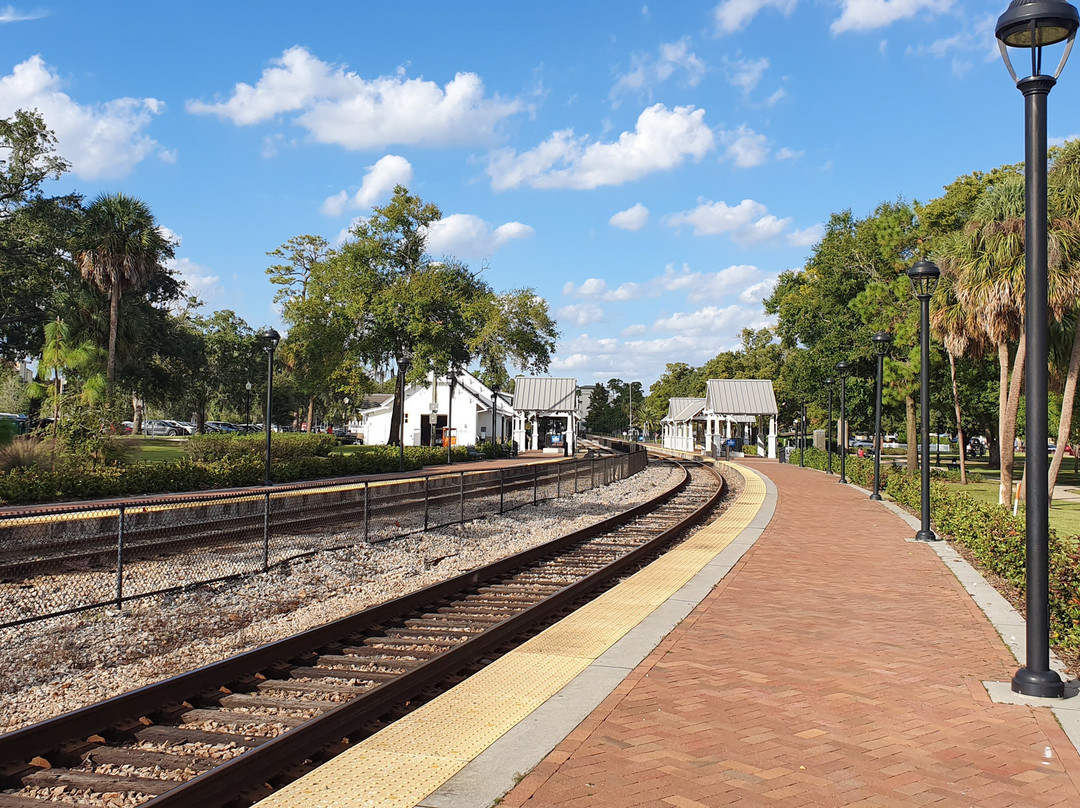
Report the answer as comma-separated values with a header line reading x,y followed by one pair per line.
x,y
684,408
545,394
740,397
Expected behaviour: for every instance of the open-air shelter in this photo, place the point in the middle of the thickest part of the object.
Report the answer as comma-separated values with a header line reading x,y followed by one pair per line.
x,y
738,408
683,425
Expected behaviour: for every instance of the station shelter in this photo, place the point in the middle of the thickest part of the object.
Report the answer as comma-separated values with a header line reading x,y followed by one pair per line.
x,y
743,409
683,428
546,414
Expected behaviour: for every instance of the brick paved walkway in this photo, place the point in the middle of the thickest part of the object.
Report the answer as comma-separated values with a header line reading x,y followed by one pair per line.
x,y
836,665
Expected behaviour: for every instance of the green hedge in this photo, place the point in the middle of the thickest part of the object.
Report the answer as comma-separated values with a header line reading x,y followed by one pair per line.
x,y
235,467
283,446
997,539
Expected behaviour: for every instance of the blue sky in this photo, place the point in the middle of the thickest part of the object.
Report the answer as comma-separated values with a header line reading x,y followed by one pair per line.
x,y
648,169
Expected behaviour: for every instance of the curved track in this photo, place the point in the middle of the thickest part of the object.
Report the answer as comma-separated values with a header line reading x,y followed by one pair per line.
x,y
216,735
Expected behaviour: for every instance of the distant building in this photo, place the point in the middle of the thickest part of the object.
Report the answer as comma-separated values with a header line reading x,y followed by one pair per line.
x,y
546,414
468,407
683,427
737,408
585,392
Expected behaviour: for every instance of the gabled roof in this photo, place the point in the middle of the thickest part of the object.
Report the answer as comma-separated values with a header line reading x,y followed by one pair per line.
x,y
683,409
740,397
545,394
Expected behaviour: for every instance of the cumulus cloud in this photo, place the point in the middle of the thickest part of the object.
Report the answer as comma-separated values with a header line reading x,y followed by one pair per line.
x,y
469,236
598,288
580,314
734,15
702,286
647,71
340,107
378,182
710,319
807,237
662,139
745,147
748,222
745,74
10,14
866,15
101,141
201,281
633,218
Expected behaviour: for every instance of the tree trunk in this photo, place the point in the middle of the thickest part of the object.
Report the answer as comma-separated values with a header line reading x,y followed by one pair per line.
x,y
1007,419
136,415
114,319
1065,425
912,435
311,414
959,427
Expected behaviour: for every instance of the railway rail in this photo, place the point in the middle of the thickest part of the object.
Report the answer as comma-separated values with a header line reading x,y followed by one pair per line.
x,y
217,735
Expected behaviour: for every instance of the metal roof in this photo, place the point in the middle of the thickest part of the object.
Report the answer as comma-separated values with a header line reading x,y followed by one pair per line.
x,y
545,394
740,397
683,408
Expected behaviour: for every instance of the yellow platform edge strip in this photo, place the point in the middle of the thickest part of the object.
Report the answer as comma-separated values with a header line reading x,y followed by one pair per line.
x,y
404,763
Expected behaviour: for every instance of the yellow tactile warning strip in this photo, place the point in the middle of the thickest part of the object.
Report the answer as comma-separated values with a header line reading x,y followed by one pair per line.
x,y
399,766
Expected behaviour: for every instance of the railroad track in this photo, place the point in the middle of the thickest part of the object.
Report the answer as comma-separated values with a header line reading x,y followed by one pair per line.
x,y
93,543
217,735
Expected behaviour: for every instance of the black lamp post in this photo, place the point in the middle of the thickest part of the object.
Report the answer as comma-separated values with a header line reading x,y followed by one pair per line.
x,y
828,432
247,401
881,340
843,369
270,339
404,363
494,415
924,277
802,434
1033,25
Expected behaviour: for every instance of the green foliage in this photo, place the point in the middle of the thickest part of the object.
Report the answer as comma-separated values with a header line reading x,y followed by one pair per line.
x,y
283,446
997,539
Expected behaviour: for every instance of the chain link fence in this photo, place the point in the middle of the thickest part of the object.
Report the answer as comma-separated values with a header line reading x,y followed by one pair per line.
x,y
64,559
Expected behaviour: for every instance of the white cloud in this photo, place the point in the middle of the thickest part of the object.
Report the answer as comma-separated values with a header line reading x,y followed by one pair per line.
x,y
734,15
702,286
776,98
710,320
745,147
633,218
647,71
100,141
378,182
465,235
10,14
634,330
580,314
758,292
745,74
661,140
598,288
866,15
342,108
805,238
199,279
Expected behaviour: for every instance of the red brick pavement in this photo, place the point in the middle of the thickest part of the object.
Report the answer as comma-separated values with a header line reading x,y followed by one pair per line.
x,y
835,665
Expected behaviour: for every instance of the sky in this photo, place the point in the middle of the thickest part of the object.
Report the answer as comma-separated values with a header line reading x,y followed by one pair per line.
x,y
648,169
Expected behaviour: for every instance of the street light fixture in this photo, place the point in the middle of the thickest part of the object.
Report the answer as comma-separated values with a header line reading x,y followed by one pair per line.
x,y
881,340
1033,25
404,362
924,277
843,369
828,431
247,402
802,434
270,339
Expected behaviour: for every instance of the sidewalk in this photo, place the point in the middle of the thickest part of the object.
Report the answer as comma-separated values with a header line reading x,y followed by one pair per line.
x,y
837,664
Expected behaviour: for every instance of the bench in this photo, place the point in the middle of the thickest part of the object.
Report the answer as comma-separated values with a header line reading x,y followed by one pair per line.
x,y
472,454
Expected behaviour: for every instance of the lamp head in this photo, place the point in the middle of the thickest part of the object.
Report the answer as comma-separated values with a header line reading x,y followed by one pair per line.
x,y
881,340
248,387
924,277
828,382
270,339
843,368
1034,24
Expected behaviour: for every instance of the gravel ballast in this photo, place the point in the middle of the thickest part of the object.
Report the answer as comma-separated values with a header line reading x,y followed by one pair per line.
x,y
61,664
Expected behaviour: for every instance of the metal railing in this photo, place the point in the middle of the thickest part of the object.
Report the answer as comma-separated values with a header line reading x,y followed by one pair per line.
x,y
66,559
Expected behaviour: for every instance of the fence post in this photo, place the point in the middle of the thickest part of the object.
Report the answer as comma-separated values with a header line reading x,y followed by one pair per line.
x,y
366,512
536,470
425,502
461,496
502,478
592,474
266,532
577,468
558,485
120,559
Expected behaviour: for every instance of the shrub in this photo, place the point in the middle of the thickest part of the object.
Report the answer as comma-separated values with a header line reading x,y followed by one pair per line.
x,y
283,445
25,451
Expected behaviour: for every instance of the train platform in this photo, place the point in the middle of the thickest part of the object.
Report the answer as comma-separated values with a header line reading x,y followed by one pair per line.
x,y
801,650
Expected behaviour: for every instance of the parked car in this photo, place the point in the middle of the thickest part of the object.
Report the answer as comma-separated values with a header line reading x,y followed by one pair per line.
x,y
182,427
344,435
155,428
221,426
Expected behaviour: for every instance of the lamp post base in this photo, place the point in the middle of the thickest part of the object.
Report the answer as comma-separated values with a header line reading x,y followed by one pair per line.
x,y
926,535
1040,684
842,480
876,497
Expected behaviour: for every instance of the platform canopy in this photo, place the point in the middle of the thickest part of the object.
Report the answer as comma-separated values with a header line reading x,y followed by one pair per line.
x,y
545,395
735,397
682,409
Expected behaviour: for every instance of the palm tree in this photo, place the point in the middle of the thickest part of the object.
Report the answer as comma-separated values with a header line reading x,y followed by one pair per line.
x,y
120,249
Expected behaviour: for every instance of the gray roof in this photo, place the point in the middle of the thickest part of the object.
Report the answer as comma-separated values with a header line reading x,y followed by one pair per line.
x,y
544,394
683,408
740,397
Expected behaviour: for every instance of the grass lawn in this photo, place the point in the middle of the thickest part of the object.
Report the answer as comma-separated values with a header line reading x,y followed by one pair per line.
x,y
152,450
